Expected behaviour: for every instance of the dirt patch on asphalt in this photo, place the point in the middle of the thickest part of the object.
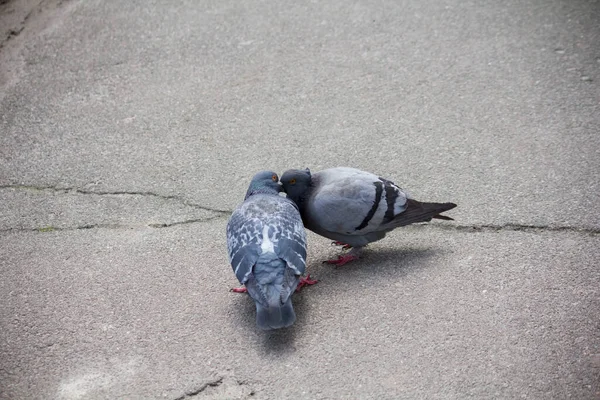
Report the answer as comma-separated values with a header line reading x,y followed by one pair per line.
x,y
21,20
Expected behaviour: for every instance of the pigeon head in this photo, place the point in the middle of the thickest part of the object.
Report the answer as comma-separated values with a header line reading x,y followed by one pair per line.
x,y
295,183
264,182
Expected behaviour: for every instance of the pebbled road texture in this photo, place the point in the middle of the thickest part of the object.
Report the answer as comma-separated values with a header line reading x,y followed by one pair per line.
x,y
130,130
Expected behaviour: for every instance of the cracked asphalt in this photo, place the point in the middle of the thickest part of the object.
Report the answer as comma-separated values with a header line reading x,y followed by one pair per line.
x,y
129,130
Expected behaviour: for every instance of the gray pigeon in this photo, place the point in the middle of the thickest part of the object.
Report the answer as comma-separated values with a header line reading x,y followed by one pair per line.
x,y
266,242
354,207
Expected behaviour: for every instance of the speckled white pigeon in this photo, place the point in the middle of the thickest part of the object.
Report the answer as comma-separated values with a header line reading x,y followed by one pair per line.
x,y
266,242
354,207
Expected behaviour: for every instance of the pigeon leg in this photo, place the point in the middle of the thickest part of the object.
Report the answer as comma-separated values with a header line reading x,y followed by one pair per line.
x,y
305,282
344,245
352,255
239,290
341,260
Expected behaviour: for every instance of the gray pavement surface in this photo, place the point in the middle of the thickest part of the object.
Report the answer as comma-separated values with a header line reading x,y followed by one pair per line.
x,y
130,130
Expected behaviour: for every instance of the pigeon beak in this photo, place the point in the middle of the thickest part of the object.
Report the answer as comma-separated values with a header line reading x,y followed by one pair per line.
x,y
280,186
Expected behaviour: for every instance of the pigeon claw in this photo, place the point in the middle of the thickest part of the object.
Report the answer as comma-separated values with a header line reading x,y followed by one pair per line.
x,y
305,282
239,290
341,260
344,245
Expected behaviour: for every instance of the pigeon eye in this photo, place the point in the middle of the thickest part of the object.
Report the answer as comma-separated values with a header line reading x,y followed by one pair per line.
x,y
274,177
292,181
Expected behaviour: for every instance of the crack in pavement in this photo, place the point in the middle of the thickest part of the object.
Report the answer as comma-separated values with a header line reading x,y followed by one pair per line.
x,y
202,388
511,227
68,190
187,221
20,24
109,226
460,228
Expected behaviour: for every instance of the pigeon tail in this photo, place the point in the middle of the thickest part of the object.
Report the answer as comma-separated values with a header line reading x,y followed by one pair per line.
x,y
271,286
275,315
417,211
444,217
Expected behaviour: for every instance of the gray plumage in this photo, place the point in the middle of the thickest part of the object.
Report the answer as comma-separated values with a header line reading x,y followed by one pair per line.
x,y
266,242
355,207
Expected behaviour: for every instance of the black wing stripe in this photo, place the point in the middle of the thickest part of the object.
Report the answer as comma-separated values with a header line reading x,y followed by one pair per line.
x,y
391,195
378,192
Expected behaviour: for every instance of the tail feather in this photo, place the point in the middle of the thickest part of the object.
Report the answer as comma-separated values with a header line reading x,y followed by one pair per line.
x,y
271,286
275,316
422,212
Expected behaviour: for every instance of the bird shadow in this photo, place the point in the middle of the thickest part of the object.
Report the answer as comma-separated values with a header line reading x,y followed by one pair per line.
x,y
374,265
275,342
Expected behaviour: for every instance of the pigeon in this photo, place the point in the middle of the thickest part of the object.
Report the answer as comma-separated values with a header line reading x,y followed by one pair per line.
x,y
266,242
354,207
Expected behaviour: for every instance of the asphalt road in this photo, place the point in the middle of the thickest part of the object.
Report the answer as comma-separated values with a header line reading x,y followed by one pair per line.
x,y
130,130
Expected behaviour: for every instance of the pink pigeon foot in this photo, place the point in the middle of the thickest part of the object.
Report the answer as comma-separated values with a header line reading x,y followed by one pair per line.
x,y
305,282
343,259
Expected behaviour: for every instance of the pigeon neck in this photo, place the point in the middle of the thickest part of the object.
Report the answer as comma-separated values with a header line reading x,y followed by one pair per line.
x,y
260,190
299,195
300,200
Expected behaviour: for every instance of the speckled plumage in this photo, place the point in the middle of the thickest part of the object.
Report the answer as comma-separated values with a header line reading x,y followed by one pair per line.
x,y
266,242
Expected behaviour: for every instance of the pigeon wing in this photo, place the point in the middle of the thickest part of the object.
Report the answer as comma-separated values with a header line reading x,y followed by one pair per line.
x,y
355,204
243,243
290,237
